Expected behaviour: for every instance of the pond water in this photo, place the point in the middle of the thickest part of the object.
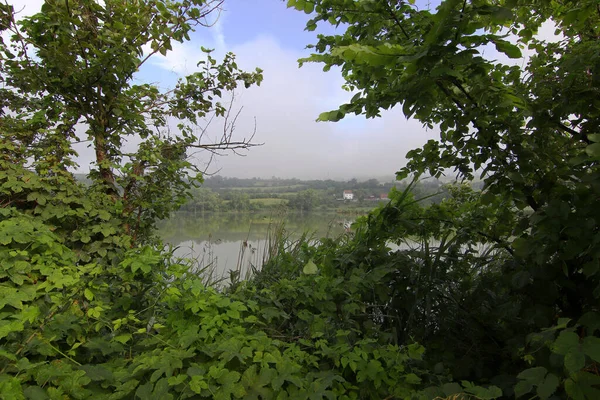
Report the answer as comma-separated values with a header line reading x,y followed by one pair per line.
x,y
220,242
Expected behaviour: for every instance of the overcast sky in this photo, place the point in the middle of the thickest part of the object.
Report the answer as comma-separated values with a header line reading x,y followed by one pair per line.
x,y
265,34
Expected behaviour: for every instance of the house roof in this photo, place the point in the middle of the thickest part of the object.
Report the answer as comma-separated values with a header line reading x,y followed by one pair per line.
x,y
347,191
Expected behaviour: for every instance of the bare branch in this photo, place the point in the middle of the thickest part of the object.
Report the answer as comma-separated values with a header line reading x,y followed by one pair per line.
x,y
226,145
224,142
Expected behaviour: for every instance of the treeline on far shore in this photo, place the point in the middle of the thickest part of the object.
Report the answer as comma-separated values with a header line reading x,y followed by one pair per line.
x,y
221,194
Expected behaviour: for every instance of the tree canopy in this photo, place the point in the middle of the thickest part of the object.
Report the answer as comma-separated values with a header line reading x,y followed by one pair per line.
x,y
69,75
529,128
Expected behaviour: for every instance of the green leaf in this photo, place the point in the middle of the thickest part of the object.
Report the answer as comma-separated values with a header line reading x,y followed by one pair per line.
x,y
591,347
412,379
452,388
8,355
310,268
562,323
566,341
548,387
535,377
123,338
257,384
161,7
176,380
332,116
574,360
88,294
522,388
511,50
502,14
324,116
145,391
492,392
198,384
415,351
521,247
521,279
297,4
526,34
35,393
593,150
591,320
574,390
7,327
97,372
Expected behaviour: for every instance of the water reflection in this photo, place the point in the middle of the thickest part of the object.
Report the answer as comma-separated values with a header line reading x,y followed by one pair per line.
x,y
229,241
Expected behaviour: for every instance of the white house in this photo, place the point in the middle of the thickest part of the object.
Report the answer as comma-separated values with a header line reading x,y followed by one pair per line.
x,y
348,195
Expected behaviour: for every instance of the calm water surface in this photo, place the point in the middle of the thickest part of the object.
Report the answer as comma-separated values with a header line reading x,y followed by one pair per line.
x,y
231,241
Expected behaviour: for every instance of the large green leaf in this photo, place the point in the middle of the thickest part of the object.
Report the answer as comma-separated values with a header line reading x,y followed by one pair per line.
x,y
574,360
548,387
591,347
566,342
511,50
310,268
593,150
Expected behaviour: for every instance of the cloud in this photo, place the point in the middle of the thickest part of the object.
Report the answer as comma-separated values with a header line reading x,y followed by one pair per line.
x,y
286,106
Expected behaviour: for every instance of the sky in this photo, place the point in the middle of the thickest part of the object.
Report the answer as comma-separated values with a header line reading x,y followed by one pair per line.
x,y
266,34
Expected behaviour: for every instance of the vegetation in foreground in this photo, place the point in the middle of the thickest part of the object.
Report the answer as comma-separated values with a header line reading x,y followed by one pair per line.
x,y
500,299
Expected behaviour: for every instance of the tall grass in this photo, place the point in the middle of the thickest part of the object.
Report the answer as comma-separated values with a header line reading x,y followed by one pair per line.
x,y
278,250
279,243
202,263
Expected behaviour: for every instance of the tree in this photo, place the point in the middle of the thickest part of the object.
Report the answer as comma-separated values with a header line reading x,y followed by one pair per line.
x,y
529,129
90,308
69,75
372,184
203,199
359,194
305,200
239,201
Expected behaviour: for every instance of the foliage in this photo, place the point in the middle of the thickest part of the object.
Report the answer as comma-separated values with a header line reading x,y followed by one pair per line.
x,y
499,288
90,305
239,202
530,130
228,194
204,199
363,285
137,326
69,71
304,201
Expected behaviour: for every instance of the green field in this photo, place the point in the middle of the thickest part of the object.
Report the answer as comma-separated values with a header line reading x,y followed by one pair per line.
x,y
269,201
262,188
